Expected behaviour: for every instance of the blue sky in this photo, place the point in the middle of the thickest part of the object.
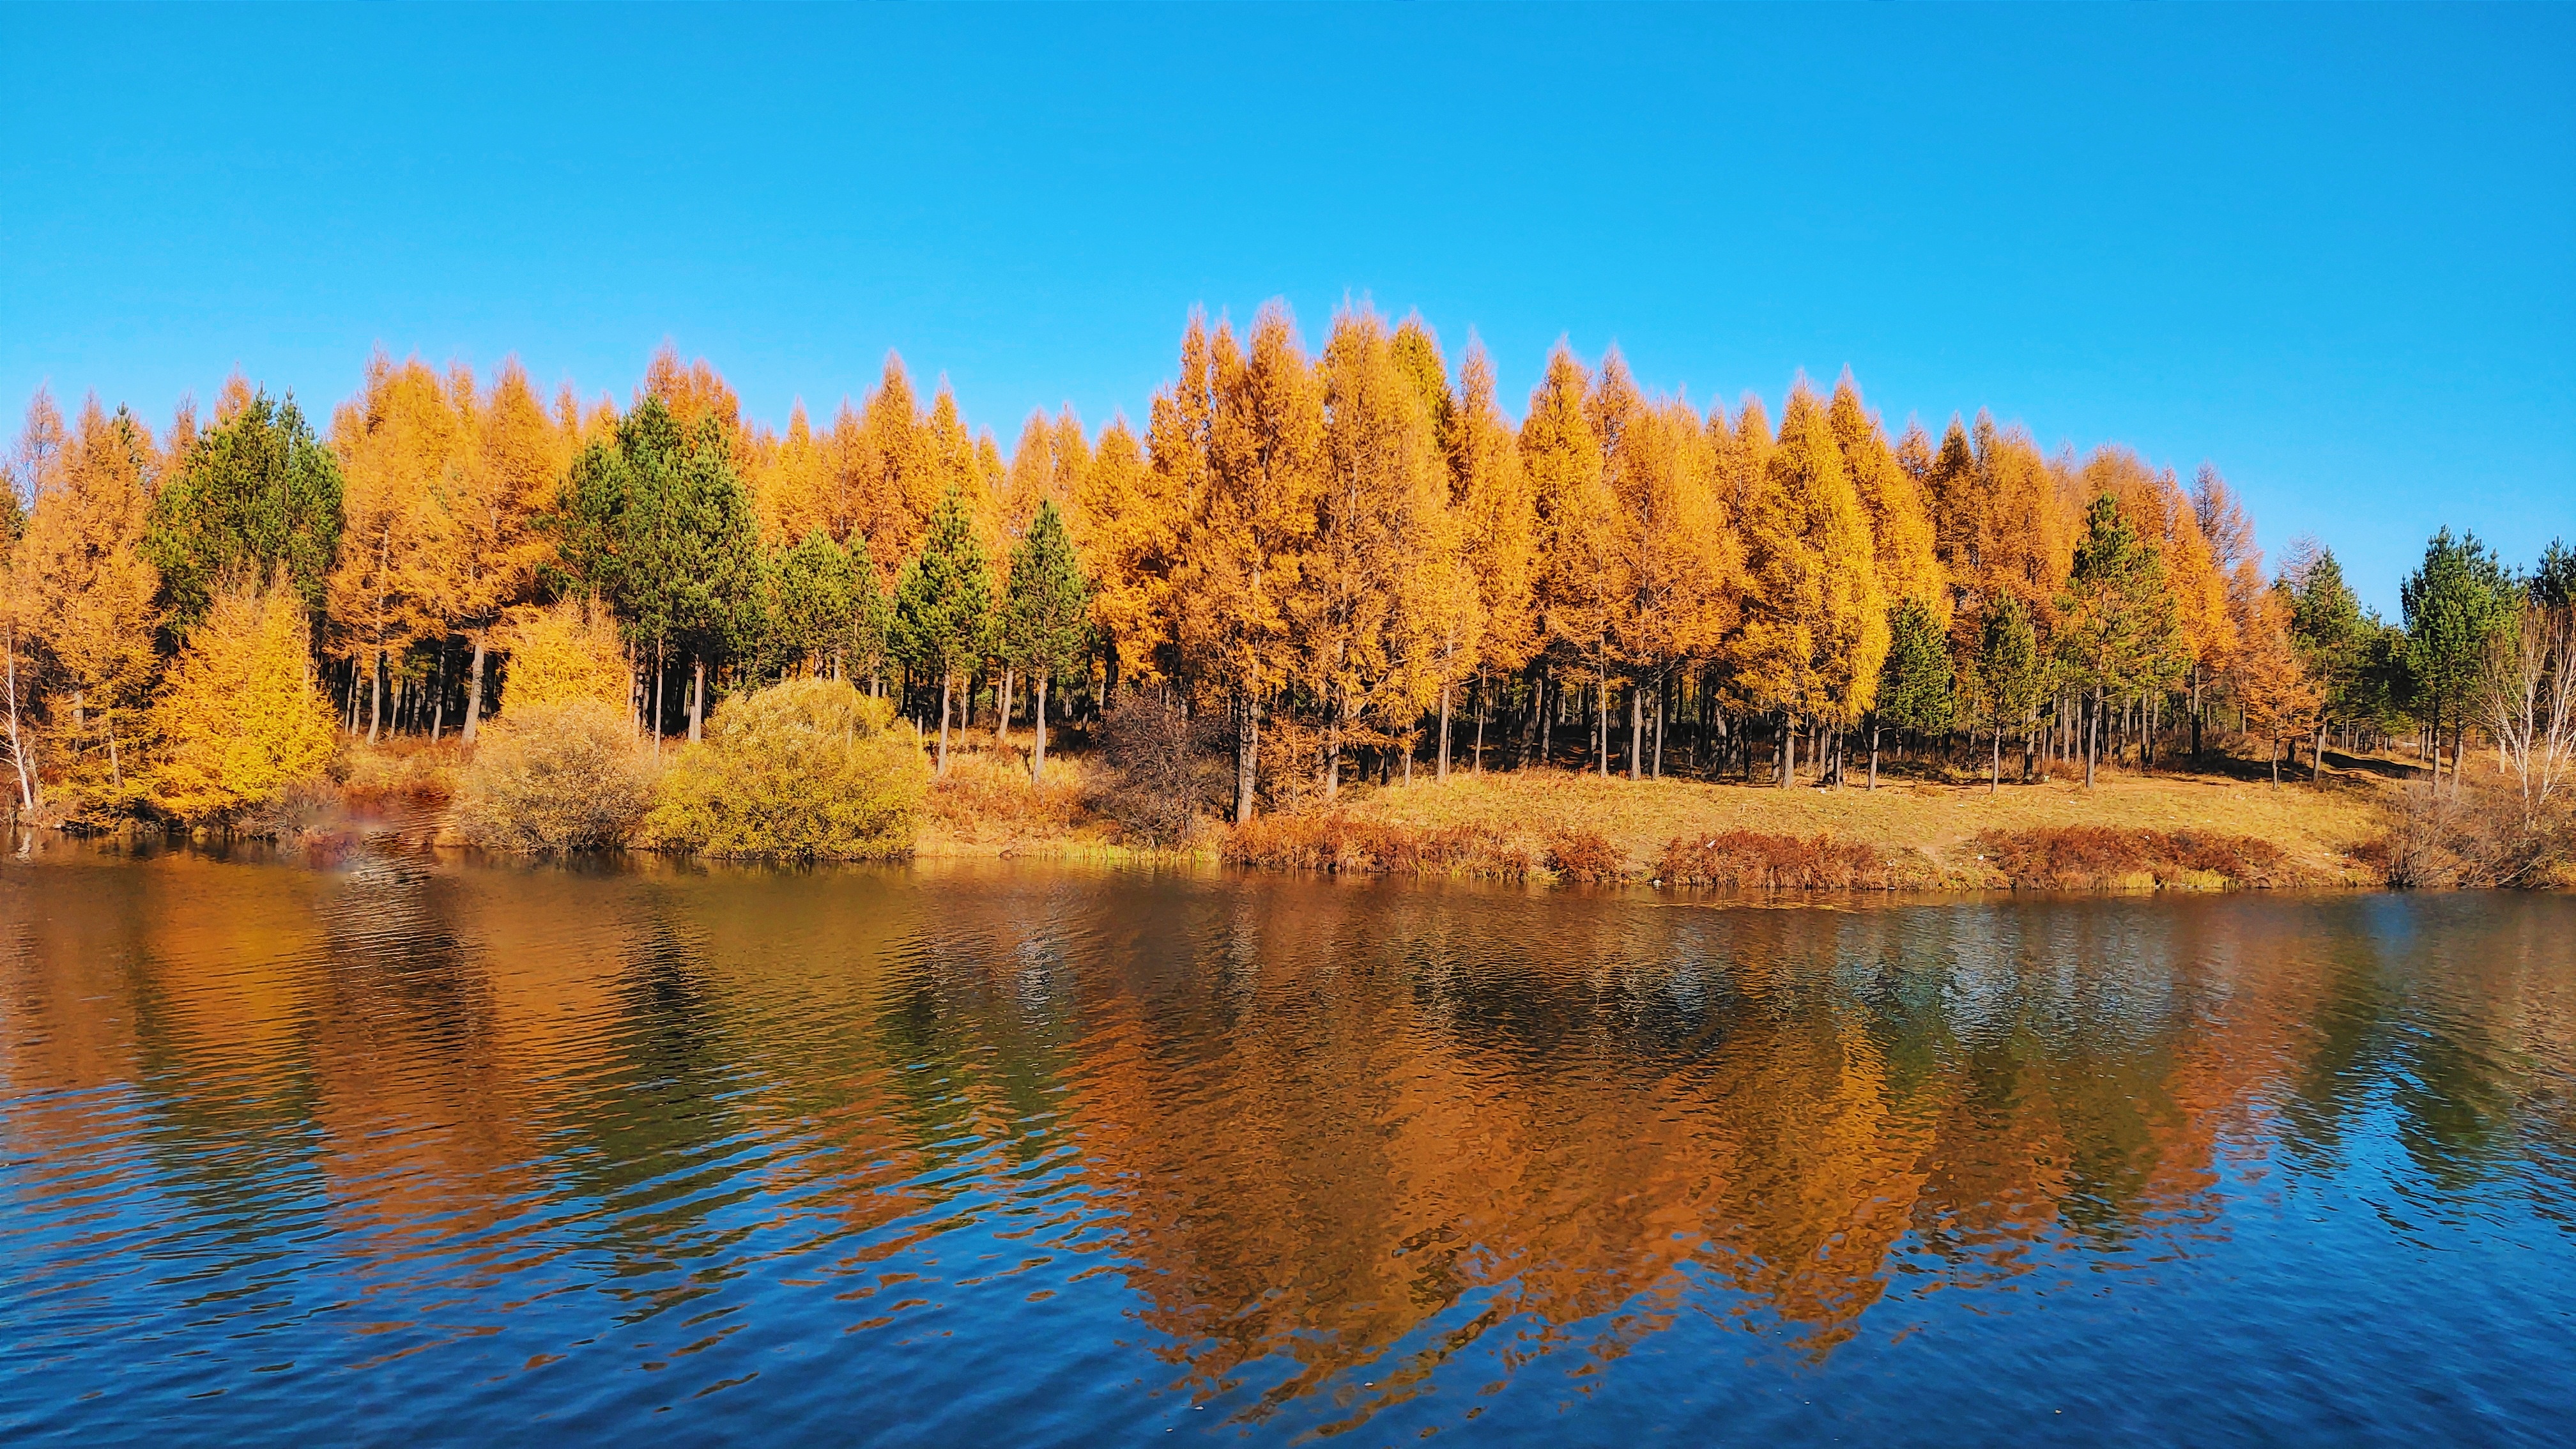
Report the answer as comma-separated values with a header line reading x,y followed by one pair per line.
x,y
2331,250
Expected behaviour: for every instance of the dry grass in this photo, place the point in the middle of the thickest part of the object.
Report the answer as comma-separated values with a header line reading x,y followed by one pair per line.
x,y
1584,855
986,806
400,769
1345,844
2103,857
1751,860
1925,833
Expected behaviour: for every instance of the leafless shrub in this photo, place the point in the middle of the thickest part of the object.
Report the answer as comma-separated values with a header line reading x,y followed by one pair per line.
x,y
2474,837
1159,768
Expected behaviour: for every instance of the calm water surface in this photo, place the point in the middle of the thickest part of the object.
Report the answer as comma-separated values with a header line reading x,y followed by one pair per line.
x,y
398,1149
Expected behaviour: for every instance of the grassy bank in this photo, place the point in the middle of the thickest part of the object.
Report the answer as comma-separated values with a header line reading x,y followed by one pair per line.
x,y
2219,829
2167,830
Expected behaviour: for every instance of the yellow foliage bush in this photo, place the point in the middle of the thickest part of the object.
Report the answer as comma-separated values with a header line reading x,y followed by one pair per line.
x,y
806,770
569,651
239,718
563,776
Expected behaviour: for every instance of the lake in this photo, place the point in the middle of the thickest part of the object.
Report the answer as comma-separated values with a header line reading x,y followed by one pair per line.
x,y
403,1148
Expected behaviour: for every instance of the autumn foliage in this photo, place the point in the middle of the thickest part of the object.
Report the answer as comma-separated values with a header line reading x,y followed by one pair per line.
x,y
1330,565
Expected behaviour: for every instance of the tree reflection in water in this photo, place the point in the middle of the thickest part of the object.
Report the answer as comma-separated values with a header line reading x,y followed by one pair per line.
x,y
1343,1145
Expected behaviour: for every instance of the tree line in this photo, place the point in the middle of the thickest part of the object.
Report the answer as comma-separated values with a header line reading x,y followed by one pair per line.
x,y
1351,560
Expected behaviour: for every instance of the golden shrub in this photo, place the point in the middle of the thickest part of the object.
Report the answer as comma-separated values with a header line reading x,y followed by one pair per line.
x,y
810,769
239,719
568,775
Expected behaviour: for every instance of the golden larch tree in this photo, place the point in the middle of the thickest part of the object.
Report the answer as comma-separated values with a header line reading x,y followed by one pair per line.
x,y
1815,620
1579,584
84,593
1251,519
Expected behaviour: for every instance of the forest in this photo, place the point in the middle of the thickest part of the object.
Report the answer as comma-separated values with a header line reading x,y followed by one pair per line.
x,y
1333,566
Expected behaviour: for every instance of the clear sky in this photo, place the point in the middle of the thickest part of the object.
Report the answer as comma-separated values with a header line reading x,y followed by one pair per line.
x,y
2331,250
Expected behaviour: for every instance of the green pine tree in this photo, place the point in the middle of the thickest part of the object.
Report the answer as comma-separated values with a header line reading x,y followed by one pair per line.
x,y
2118,630
943,604
2456,602
1916,683
812,598
1046,615
2010,675
2332,637
256,497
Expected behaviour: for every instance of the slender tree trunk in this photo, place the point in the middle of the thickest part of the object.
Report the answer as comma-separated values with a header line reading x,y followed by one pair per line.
x,y
1663,709
661,667
1547,717
2092,735
1788,749
474,693
438,692
1636,731
2276,762
376,697
697,697
1037,721
1600,723
1002,721
1247,753
1873,749
1443,777
945,679
17,742
1481,706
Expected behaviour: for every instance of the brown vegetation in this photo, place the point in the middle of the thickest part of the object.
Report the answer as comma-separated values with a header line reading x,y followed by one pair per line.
x,y
1348,845
2472,837
1584,855
562,776
2098,857
1753,860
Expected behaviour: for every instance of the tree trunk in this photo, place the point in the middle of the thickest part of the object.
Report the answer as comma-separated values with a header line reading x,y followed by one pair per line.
x,y
697,697
474,693
1663,710
1037,721
1481,706
1788,749
1547,717
2092,736
17,742
1247,753
1636,731
1443,777
376,697
2276,762
940,770
1002,715
438,694
660,668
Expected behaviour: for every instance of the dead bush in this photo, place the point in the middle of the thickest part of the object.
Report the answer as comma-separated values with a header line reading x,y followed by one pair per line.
x,y
2100,857
1753,860
1584,855
1159,768
567,776
1339,843
2472,837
